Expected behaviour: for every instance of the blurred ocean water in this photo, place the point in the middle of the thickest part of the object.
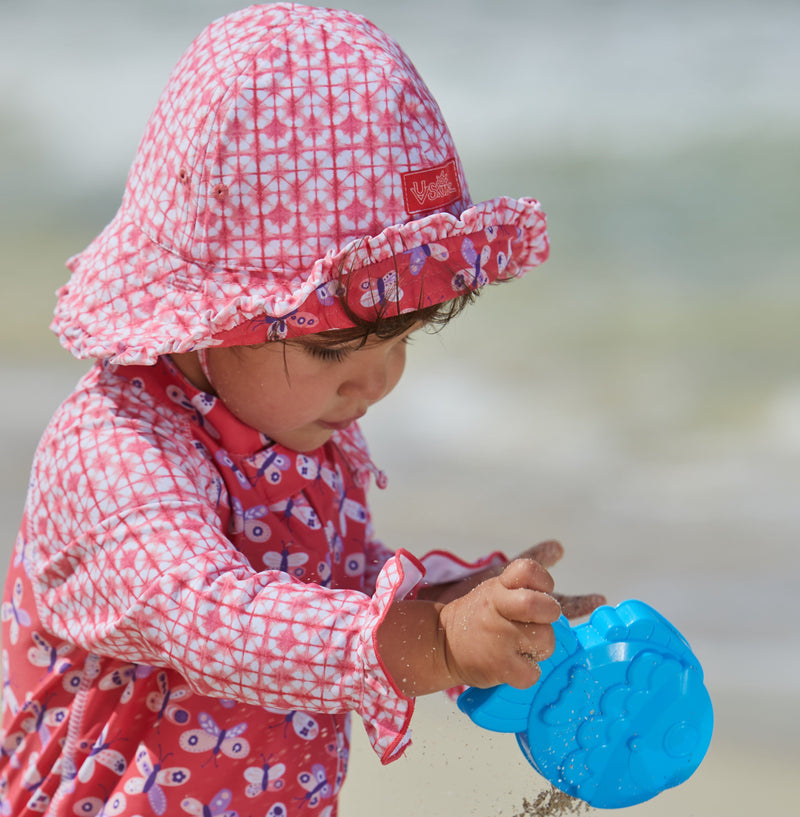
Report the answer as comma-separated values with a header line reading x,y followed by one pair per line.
x,y
637,397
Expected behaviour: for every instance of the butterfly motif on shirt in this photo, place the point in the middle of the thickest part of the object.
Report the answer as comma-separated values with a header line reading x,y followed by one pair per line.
x,y
41,717
211,738
198,406
32,780
5,805
164,701
75,678
9,698
297,508
250,522
339,749
224,459
218,807
270,465
22,553
348,508
12,611
100,752
302,723
32,777
153,778
316,784
95,807
419,255
335,541
308,467
124,678
44,654
474,276
266,777
324,571
10,746
286,562
377,291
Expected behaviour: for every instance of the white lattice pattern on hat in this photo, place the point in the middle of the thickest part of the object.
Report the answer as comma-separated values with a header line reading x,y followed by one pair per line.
x,y
278,148
274,143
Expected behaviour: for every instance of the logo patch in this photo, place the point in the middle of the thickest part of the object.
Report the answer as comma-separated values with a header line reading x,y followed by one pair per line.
x,y
431,188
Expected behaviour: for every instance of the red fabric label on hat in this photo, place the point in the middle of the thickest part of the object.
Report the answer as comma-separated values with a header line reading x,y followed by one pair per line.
x,y
431,188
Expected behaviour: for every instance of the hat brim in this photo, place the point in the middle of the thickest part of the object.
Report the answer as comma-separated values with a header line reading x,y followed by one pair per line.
x,y
177,305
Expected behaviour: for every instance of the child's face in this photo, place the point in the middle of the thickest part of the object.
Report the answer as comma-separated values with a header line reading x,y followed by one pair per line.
x,y
298,393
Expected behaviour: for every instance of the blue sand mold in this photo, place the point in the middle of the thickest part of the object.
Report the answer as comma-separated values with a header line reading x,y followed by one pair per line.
x,y
619,713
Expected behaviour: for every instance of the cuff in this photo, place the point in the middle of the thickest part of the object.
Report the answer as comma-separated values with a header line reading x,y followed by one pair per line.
x,y
385,710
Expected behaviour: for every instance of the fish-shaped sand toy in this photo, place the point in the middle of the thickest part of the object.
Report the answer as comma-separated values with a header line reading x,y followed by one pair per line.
x,y
619,713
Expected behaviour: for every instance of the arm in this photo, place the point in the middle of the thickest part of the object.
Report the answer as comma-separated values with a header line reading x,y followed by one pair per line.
x,y
129,559
494,634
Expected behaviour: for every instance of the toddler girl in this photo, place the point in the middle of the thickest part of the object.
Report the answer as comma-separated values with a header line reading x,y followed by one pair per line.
x,y
197,599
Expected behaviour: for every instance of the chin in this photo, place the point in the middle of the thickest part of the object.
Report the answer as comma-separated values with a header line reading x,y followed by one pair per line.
x,y
302,443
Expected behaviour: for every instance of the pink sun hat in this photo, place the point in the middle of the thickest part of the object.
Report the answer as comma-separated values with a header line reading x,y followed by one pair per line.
x,y
293,149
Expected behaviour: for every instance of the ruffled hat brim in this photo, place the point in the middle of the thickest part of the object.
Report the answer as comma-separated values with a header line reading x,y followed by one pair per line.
x,y
130,300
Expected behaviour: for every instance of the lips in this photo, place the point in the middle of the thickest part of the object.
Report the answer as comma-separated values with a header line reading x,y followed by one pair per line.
x,y
340,425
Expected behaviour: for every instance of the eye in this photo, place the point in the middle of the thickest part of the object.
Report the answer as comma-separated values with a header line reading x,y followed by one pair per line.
x,y
328,353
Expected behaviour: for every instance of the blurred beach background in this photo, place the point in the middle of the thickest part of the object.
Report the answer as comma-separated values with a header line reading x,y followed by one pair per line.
x,y
638,397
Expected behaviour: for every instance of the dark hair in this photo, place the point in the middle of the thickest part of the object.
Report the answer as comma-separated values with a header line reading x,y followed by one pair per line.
x,y
433,318
382,326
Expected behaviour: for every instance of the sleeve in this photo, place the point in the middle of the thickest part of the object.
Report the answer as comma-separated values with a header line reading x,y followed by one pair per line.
x,y
129,561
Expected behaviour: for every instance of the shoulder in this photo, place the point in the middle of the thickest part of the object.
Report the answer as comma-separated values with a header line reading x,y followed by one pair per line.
x,y
111,437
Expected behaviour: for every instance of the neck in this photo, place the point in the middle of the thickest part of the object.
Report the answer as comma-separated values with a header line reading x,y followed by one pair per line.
x,y
189,365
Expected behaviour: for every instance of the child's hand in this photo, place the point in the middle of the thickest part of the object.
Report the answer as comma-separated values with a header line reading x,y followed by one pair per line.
x,y
498,631
488,629
546,554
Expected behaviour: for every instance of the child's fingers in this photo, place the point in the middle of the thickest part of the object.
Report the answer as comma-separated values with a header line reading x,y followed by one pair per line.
x,y
546,553
527,606
526,573
577,606
525,672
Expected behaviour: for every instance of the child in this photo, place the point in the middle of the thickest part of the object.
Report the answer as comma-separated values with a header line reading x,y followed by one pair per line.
x,y
197,600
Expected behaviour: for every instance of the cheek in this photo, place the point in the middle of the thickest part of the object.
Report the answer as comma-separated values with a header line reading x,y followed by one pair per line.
x,y
241,386
397,366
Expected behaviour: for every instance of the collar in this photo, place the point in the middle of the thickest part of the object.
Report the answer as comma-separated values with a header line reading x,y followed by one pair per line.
x,y
251,455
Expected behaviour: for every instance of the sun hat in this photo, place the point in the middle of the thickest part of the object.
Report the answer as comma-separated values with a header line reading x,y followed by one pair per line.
x,y
294,155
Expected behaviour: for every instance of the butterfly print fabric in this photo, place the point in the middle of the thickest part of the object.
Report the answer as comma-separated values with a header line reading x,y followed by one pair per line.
x,y
190,611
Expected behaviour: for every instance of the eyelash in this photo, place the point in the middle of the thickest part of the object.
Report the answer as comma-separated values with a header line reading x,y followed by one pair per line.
x,y
332,355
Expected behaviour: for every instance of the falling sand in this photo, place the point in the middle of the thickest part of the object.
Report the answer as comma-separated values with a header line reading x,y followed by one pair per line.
x,y
552,803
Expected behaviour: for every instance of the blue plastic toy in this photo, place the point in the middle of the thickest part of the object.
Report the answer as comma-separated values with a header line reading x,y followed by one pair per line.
x,y
620,711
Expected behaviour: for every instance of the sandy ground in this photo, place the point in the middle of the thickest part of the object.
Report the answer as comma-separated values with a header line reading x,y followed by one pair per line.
x,y
455,769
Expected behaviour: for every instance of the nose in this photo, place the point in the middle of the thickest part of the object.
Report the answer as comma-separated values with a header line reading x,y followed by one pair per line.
x,y
374,370
369,381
